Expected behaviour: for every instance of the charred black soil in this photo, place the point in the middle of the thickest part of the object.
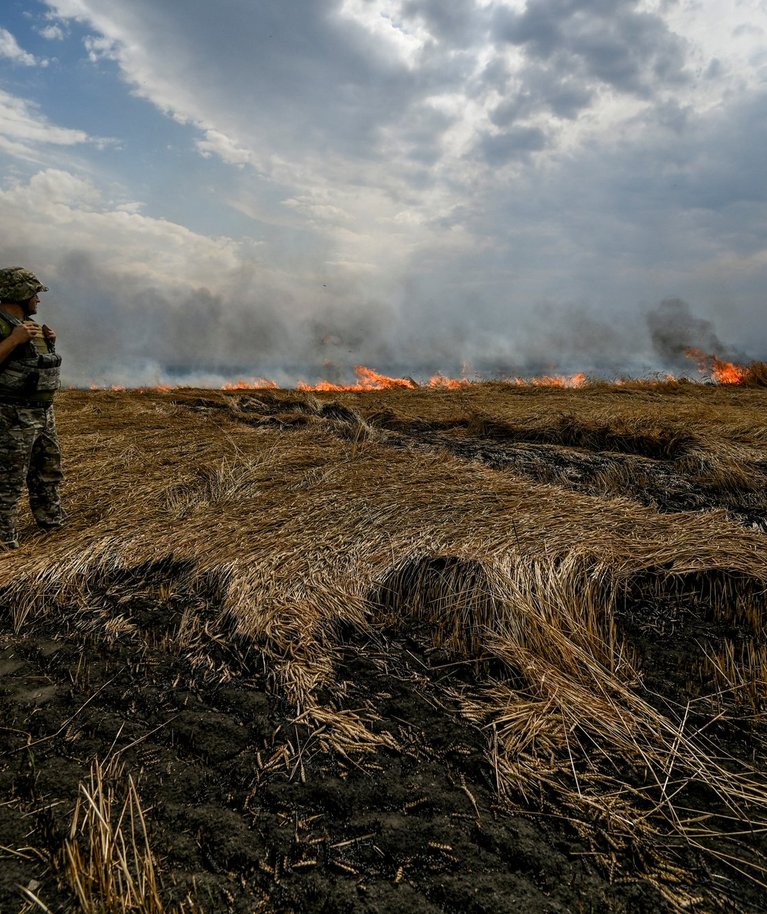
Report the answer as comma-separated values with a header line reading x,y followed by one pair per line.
x,y
236,822
246,810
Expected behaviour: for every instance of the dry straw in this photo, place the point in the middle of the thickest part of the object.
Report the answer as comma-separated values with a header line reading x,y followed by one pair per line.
x,y
106,861
294,521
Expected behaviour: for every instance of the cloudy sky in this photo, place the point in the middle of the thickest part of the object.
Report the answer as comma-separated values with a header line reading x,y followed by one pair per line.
x,y
288,188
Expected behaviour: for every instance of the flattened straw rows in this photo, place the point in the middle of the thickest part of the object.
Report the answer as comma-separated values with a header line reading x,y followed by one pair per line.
x,y
725,469
457,598
301,529
709,413
645,437
466,601
306,517
302,526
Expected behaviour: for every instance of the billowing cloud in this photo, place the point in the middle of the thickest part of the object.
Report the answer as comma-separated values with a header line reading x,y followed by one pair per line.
x,y
505,183
52,32
618,43
146,298
460,23
515,143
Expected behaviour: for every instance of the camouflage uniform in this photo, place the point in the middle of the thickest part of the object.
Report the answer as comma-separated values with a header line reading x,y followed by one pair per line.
x,y
29,447
29,453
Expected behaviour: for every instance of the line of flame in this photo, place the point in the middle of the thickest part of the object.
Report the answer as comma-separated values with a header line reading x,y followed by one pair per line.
x,y
367,379
717,369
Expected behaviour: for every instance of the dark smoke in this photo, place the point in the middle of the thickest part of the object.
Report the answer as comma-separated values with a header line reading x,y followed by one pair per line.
x,y
674,330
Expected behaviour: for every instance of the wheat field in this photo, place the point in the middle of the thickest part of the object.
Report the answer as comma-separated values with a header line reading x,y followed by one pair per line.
x,y
582,573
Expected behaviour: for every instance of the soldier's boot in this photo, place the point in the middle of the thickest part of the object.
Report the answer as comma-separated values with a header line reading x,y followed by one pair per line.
x,y
8,535
47,512
8,539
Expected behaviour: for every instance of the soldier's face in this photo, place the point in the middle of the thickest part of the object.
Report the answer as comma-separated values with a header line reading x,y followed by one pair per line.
x,y
31,304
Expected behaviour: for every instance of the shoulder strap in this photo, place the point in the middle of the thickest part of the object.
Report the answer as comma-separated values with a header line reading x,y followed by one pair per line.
x,y
7,323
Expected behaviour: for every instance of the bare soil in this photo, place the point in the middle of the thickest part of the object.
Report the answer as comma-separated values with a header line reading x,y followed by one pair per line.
x,y
419,830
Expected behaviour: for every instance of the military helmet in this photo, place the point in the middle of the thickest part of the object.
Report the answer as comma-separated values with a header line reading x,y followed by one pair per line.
x,y
18,284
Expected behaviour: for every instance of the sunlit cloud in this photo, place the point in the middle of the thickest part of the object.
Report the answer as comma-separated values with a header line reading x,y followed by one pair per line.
x,y
10,50
52,32
24,130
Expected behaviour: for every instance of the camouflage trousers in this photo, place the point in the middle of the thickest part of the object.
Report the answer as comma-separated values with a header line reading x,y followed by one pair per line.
x,y
29,455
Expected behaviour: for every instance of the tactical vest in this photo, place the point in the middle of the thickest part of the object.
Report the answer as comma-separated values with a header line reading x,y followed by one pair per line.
x,y
32,370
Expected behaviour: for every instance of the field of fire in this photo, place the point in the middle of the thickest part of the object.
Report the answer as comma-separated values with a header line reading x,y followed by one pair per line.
x,y
476,647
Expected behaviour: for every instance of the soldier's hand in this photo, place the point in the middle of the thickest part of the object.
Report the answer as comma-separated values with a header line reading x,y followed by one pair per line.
x,y
49,333
23,333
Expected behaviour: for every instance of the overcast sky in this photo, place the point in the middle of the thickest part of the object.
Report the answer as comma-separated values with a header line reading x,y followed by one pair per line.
x,y
288,188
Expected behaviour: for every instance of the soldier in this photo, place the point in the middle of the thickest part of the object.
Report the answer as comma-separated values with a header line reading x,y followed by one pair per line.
x,y
29,376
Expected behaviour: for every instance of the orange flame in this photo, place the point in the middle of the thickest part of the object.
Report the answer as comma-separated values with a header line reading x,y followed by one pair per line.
x,y
367,379
718,370
445,383
564,381
253,384
721,371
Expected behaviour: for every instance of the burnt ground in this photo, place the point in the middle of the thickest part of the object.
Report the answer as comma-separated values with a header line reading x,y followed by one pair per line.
x,y
414,830
651,482
247,812
648,470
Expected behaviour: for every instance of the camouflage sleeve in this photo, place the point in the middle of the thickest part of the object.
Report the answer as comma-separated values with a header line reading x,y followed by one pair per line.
x,y
5,329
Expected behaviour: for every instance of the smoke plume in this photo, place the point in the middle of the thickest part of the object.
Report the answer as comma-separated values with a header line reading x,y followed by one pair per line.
x,y
675,330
